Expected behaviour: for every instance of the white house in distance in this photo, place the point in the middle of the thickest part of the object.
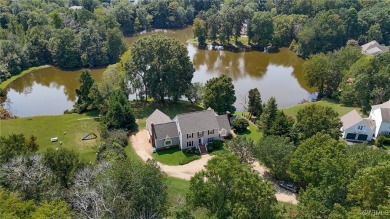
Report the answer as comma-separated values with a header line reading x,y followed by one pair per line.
x,y
188,130
373,48
356,128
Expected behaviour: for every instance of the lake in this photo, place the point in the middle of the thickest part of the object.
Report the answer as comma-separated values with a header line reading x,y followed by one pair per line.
x,y
51,91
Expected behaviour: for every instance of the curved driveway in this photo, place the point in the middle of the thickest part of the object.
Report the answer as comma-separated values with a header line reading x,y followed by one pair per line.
x,y
143,148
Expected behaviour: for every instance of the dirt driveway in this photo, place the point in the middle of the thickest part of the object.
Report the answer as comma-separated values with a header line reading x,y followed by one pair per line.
x,y
143,148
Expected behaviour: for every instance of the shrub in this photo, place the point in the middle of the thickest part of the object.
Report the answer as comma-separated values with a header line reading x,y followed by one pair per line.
x,y
382,140
214,145
240,124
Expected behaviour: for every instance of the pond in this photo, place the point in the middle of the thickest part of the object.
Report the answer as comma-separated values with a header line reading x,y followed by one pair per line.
x,y
51,91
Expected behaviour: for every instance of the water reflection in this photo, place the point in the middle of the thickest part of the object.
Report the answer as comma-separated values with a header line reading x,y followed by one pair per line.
x,y
51,90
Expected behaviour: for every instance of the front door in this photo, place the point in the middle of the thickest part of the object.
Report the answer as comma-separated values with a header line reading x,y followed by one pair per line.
x,y
200,141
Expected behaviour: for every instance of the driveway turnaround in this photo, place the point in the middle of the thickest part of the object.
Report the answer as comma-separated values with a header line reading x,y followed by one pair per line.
x,y
143,148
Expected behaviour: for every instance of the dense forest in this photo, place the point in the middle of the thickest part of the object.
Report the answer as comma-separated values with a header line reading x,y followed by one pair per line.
x,y
54,32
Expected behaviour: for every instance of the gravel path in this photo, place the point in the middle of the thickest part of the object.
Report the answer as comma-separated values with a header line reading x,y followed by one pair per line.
x,y
143,148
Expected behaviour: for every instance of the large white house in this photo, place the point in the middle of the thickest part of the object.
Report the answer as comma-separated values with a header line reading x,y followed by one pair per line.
x,y
356,128
188,130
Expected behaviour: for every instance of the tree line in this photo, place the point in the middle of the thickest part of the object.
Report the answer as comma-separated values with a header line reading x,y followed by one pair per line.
x,y
91,36
308,27
350,77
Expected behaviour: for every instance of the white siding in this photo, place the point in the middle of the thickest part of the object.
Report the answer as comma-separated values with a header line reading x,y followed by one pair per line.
x,y
364,129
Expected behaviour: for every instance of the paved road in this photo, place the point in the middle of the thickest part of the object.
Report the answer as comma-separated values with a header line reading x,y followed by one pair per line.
x,y
142,147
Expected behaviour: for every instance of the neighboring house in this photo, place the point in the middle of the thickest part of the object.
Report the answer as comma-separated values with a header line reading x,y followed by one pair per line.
x,y
374,48
355,128
188,130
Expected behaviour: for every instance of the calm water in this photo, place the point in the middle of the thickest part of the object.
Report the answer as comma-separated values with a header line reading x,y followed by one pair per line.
x,y
50,91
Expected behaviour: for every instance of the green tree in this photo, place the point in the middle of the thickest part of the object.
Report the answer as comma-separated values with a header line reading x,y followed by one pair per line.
x,y
166,75
230,189
255,107
13,207
63,163
115,44
315,118
261,29
200,31
268,116
307,165
15,145
63,46
243,147
194,93
325,32
370,187
240,124
119,113
92,47
125,13
219,94
317,72
52,209
275,152
83,92
282,125
375,33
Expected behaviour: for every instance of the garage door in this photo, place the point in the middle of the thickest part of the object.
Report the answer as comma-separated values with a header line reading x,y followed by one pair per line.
x,y
362,137
351,136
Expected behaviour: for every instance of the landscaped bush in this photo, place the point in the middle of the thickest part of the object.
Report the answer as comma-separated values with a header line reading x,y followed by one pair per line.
x,y
240,124
382,140
187,160
215,145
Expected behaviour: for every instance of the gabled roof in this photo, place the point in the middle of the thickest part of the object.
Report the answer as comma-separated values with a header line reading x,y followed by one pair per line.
x,y
370,123
383,105
223,122
157,117
350,119
370,45
197,121
166,130
385,114
373,48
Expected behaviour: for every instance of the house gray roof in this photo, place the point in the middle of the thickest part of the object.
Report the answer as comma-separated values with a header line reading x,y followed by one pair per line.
x,y
373,48
197,121
370,123
383,105
166,129
385,114
157,117
350,119
223,122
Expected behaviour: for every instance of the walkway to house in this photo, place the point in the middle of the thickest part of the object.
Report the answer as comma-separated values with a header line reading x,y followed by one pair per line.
x,y
142,147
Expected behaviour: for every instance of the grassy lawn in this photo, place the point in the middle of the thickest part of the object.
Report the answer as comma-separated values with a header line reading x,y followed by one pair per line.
x,y
174,156
339,108
5,83
251,132
47,127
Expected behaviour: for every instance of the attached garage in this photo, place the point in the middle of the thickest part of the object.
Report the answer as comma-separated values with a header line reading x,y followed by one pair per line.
x,y
362,137
351,136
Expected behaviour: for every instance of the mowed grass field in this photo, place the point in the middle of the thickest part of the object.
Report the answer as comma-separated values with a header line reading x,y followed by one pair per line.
x,y
46,127
339,108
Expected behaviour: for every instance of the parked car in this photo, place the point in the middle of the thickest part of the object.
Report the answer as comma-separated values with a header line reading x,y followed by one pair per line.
x,y
289,186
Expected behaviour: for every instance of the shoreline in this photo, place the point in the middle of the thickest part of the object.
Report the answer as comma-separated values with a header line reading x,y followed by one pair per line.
x,y
5,83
